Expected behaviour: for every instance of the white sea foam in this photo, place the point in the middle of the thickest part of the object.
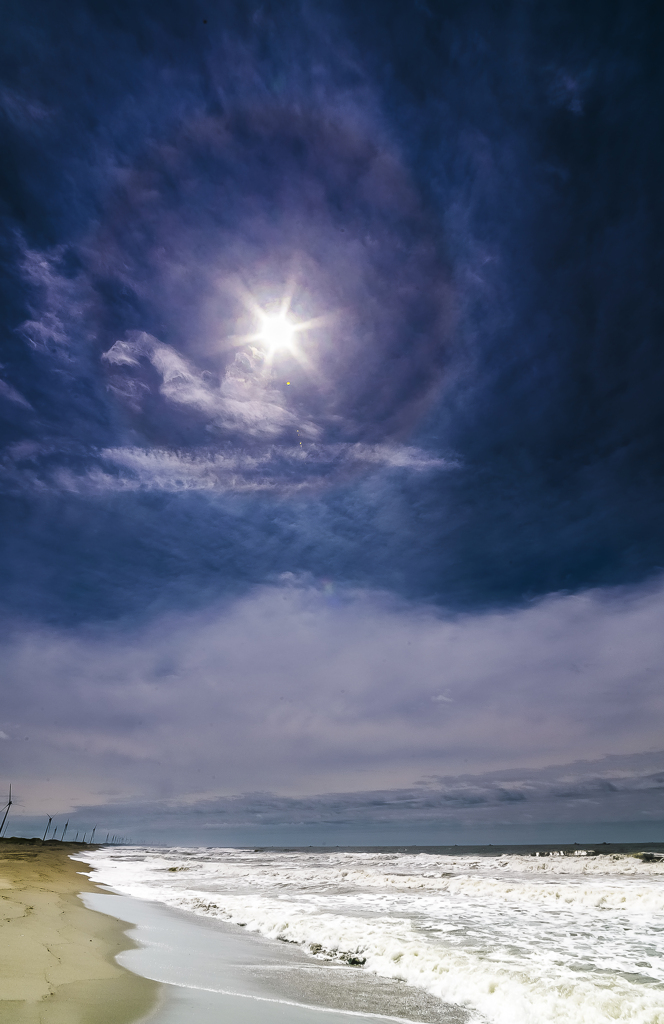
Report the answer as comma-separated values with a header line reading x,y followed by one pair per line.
x,y
521,940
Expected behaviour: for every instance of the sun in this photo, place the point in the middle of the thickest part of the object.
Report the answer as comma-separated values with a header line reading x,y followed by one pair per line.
x,y
277,331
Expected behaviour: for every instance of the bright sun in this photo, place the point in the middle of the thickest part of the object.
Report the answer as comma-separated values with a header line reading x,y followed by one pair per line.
x,y
277,331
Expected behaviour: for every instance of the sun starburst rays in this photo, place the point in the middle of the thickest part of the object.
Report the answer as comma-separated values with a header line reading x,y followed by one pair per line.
x,y
278,330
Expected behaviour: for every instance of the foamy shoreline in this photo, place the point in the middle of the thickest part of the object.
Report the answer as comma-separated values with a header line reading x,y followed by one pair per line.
x,y
516,939
212,971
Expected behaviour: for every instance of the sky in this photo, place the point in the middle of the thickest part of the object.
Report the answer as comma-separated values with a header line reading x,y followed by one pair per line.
x,y
331,420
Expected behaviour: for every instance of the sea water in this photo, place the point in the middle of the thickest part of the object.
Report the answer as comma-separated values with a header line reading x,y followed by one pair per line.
x,y
571,938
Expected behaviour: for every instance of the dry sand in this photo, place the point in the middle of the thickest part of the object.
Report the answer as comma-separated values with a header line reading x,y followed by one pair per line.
x,y
56,957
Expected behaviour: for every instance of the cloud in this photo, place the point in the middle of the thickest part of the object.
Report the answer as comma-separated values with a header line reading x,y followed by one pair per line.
x,y
54,330
304,689
243,402
25,113
12,395
612,788
279,469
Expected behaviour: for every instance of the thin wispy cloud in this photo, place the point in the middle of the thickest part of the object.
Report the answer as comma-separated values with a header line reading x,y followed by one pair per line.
x,y
10,394
29,467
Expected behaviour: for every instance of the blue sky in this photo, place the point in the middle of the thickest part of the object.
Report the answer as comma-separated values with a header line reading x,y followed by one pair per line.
x,y
420,540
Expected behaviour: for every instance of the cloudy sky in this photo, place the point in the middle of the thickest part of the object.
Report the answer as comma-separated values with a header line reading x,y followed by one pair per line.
x,y
331,419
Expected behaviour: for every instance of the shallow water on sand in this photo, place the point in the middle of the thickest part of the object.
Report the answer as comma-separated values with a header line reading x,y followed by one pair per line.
x,y
214,971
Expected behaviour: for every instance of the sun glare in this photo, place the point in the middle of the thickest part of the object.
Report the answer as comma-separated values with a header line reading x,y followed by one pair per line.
x,y
277,332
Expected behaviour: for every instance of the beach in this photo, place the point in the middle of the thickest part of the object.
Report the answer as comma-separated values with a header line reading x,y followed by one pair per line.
x,y
429,936
57,961
60,935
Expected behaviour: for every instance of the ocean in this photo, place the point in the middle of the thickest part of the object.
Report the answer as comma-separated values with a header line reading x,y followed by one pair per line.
x,y
498,935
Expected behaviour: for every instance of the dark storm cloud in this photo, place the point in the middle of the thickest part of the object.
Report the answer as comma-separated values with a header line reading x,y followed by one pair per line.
x,y
471,190
610,789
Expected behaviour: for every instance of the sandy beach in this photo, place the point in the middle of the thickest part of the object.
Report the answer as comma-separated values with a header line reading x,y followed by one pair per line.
x,y
57,957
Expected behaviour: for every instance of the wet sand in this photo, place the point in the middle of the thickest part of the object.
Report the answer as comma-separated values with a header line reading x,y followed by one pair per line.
x,y
213,971
57,961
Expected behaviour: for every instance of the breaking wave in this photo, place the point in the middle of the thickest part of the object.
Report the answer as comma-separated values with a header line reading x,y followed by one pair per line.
x,y
517,939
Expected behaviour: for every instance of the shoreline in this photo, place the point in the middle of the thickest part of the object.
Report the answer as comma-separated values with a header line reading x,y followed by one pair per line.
x,y
57,957
214,971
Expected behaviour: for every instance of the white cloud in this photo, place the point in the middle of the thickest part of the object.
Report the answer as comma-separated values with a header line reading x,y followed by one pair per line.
x,y
244,399
279,468
163,469
300,689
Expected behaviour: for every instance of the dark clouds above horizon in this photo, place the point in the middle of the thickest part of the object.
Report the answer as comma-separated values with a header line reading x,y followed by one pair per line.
x,y
466,199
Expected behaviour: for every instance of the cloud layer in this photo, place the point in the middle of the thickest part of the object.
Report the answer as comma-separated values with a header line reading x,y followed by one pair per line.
x,y
307,689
